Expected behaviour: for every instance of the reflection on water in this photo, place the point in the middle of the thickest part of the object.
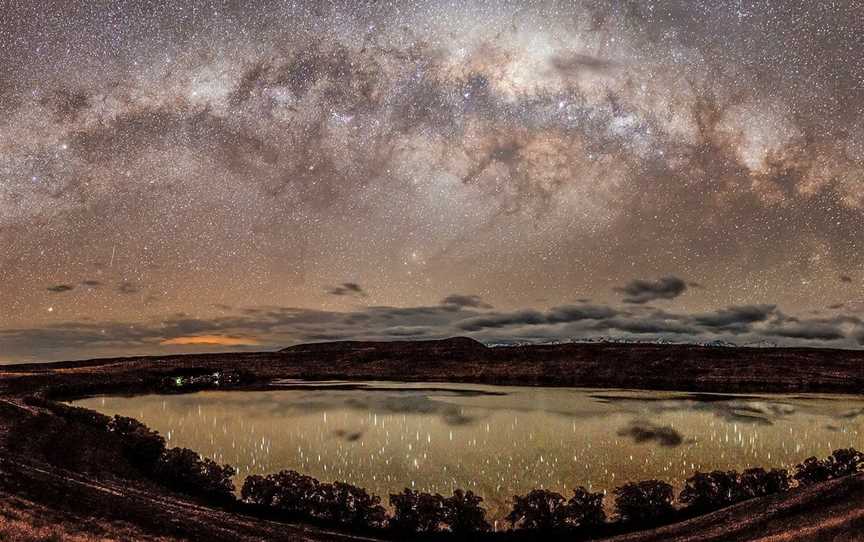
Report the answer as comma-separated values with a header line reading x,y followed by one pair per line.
x,y
497,441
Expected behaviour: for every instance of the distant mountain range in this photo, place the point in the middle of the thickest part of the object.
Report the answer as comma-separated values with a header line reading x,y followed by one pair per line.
x,y
628,340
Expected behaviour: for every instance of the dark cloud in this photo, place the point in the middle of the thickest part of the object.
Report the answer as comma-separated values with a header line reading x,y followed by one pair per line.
x,y
812,329
465,301
845,278
347,288
529,317
814,332
91,283
60,288
492,321
737,316
575,313
642,291
759,322
644,431
275,327
650,325
859,335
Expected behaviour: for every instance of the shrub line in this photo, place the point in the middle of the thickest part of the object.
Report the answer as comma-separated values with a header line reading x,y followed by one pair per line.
x,y
289,495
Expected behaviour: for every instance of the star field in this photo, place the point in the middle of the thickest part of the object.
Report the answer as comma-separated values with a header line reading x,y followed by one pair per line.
x,y
262,173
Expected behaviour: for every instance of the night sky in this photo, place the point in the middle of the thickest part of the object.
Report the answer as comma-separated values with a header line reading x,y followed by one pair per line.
x,y
190,176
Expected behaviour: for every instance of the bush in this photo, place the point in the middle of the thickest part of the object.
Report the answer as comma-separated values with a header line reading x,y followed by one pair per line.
x,y
463,513
348,505
841,462
287,491
546,510
141,445
585,509
293,494
845,461
539,510
758,482
416,512
258,491
812,471
646,502
704,492
185,471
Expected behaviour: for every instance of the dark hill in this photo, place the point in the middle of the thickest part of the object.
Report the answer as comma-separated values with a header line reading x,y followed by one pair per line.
x,y
678,367
453,344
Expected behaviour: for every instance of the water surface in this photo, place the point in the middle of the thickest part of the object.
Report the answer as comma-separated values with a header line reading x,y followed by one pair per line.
x,y
495,440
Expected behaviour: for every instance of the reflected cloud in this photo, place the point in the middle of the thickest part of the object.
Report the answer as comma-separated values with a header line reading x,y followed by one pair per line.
x,y
853,414
642,431
500,441
348,436
412,404
744,409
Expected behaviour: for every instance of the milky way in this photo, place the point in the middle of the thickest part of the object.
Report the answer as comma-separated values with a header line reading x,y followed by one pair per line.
x,y
177,176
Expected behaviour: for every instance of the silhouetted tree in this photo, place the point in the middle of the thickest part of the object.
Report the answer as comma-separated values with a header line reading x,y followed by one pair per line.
x,y
185,471
645,502
812,471
349,505
143,446
258,490
758,482
287,491
841,462
845,461
585,509
540,509
709,491
463,513
706,492
415,512
295,494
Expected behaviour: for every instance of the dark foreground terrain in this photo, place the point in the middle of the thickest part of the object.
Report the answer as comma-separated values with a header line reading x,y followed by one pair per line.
x,y
62,480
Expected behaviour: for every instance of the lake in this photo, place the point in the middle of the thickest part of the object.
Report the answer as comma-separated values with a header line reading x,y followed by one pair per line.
x,y
495,440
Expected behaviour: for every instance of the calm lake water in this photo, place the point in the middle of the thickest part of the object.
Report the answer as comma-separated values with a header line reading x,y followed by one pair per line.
x,y
497,441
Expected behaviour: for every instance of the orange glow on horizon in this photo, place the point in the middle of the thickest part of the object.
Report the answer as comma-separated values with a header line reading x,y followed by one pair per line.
x,y
210,339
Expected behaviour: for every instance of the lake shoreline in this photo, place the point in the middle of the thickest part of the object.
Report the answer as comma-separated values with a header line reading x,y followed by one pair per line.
x,y
475,436
684,368
99,483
